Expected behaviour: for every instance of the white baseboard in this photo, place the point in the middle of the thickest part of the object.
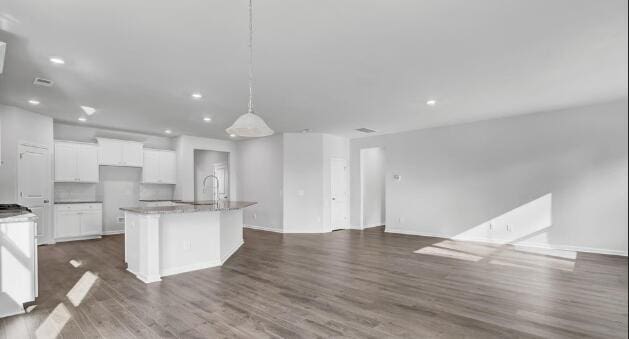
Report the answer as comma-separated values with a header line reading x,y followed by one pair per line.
x,y
188,268
113,232
264,228
231,252
89,237
522,243
372,225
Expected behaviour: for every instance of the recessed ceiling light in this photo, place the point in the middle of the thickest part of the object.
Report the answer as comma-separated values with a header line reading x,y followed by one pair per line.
x,y
207,119
232,135
306,130
168,131
431,102
82,119
33,102
57,60
196,95
88,110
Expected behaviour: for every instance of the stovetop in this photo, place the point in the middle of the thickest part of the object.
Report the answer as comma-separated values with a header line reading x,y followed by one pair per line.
x,y
13,207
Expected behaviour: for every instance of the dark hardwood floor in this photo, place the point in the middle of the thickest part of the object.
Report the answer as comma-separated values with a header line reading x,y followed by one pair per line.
x,y
344,284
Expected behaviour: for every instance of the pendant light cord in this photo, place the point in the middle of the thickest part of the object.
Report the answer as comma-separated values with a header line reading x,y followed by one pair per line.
x,y
250,57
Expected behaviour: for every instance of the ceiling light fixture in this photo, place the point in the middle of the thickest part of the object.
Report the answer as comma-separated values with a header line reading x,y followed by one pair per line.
x,y
431,102
82,119
196,95
57,60
33,102
207,119
250,124
88,110
168,131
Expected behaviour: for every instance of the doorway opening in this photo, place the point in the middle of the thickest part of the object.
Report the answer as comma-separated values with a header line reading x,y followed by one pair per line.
x,y
372,187
214,164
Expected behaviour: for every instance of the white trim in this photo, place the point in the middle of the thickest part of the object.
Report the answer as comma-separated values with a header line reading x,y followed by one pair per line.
x,y
523,243
264,228
113,232
373,225
232,251
85,237
146,280
188,268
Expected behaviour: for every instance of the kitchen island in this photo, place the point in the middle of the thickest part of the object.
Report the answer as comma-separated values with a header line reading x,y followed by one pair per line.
x,y
188,236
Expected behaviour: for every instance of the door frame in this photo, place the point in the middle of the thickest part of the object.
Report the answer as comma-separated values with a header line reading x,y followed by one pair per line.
x,y
225,167
49,231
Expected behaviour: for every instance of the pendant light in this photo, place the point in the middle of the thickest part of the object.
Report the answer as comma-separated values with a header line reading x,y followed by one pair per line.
x,y
250,124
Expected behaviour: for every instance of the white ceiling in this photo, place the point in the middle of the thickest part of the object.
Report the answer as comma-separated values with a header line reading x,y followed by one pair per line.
x,y
328,65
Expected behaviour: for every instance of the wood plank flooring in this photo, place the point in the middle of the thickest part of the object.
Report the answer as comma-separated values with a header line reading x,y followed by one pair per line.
x,y
359,284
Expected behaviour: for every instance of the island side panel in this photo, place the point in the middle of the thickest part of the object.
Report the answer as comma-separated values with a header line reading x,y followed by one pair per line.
x,y
231,233
142,246
189,241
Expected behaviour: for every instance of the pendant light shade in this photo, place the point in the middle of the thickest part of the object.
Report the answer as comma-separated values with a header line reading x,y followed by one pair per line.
x,y
250,125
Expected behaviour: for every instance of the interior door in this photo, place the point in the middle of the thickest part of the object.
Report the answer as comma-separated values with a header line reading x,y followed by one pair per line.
x,y
222,173
339,203
34,186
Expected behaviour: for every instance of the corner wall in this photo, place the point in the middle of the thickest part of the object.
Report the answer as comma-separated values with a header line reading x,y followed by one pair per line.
x,y
568,167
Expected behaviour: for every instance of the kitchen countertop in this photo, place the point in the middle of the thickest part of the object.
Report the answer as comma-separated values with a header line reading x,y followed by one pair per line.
x,y
16,216
191,207
78,202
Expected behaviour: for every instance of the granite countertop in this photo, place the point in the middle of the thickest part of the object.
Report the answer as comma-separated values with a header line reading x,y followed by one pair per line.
x,y
16,216
79,202
191,207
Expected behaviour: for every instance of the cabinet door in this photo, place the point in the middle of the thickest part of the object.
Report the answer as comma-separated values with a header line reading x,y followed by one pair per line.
x,y
91,223
65,162
87,163
67,224
132,154
150,167
110,152
167,167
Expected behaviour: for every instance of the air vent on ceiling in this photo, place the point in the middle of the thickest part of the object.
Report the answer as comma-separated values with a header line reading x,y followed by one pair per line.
x,y
43,82
365,130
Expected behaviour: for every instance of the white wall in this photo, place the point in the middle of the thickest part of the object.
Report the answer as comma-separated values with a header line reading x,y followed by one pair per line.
x,y
185,146
261,173
303,183
18,125
372,189
204,162
571,163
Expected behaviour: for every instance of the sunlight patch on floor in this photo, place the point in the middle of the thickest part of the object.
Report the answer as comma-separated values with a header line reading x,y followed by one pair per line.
x,y
76,263
54,323
80,289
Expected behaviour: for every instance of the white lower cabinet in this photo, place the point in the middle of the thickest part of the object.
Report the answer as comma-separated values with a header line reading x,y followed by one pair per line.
x,y
77,221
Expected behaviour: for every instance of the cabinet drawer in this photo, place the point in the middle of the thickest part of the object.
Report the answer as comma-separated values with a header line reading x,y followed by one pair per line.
x,y
78,207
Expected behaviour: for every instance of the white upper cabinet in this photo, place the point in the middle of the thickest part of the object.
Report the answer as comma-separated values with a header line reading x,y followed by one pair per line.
x,y
120,152
159,167
76,162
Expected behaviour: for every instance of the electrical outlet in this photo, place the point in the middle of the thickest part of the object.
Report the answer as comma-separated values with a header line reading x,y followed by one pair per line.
x,y
121,220
255,216
509,229
187,244
491,227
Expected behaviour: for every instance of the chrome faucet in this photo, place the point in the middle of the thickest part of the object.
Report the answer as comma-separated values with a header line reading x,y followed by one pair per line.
x,y
216,198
